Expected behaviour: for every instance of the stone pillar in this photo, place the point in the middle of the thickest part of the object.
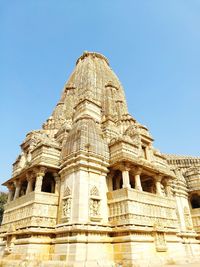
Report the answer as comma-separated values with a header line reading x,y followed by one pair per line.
x,y
39,178
168,188
57,182
109,180
158,185
17,188
29,178
138,185
126,178
10,193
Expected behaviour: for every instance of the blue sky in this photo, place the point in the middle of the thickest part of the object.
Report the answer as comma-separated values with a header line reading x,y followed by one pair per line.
x,y
153,46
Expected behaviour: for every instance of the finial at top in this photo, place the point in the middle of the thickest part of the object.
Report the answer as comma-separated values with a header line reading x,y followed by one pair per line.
x,y
92,54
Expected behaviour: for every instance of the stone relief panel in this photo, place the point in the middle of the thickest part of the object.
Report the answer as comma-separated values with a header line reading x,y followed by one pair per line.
x,y
160,242
94,204
66,205
94,207
10,244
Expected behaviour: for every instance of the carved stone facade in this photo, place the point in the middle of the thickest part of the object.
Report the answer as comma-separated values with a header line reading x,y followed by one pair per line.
x,y
89,189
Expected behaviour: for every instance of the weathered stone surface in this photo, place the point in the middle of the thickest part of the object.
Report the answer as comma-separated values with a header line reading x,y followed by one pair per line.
x,y
89,189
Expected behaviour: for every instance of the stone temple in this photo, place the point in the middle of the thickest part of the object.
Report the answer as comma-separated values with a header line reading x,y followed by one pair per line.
x,y
89,189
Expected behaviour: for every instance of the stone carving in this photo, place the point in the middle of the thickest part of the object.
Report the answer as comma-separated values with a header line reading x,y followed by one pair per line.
x,y
94,207
89,135
66,207
160,242
94,191
66,204
133,134
22,160
67,192
94,204
10,244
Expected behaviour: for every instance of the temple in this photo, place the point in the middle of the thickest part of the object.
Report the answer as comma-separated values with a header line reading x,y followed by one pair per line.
x,y
89,189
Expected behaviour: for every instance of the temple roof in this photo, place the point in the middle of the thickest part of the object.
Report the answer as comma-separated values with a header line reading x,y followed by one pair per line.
x,y
91,113
93,79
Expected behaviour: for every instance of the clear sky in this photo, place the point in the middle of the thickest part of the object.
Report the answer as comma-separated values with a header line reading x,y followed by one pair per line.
x,y
152,45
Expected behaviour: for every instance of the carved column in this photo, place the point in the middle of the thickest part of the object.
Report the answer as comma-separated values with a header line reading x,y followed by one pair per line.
x,y
17,188
110,180
10,193
57,182
126,178
168,188
39,178
138,185
158,179
29,178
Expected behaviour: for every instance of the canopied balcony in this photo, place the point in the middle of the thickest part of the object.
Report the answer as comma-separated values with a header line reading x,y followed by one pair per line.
x,y
126,175
141,198
139,155
32,200
44,154
36,179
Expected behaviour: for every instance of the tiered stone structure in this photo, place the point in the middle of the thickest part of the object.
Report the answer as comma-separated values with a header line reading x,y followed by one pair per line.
x,y
89,189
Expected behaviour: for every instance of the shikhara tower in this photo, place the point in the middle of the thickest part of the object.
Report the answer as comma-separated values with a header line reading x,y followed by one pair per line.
x,y
89,189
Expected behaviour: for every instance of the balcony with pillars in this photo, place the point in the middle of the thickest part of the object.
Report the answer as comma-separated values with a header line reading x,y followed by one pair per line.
x,y
140,200
32,202
139,155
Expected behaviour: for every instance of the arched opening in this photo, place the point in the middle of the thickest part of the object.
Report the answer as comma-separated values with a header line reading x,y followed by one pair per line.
x,y
195,201
117,180
48,183
23,188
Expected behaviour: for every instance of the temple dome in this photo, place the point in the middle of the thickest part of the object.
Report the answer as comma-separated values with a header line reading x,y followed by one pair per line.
x,y
85,136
